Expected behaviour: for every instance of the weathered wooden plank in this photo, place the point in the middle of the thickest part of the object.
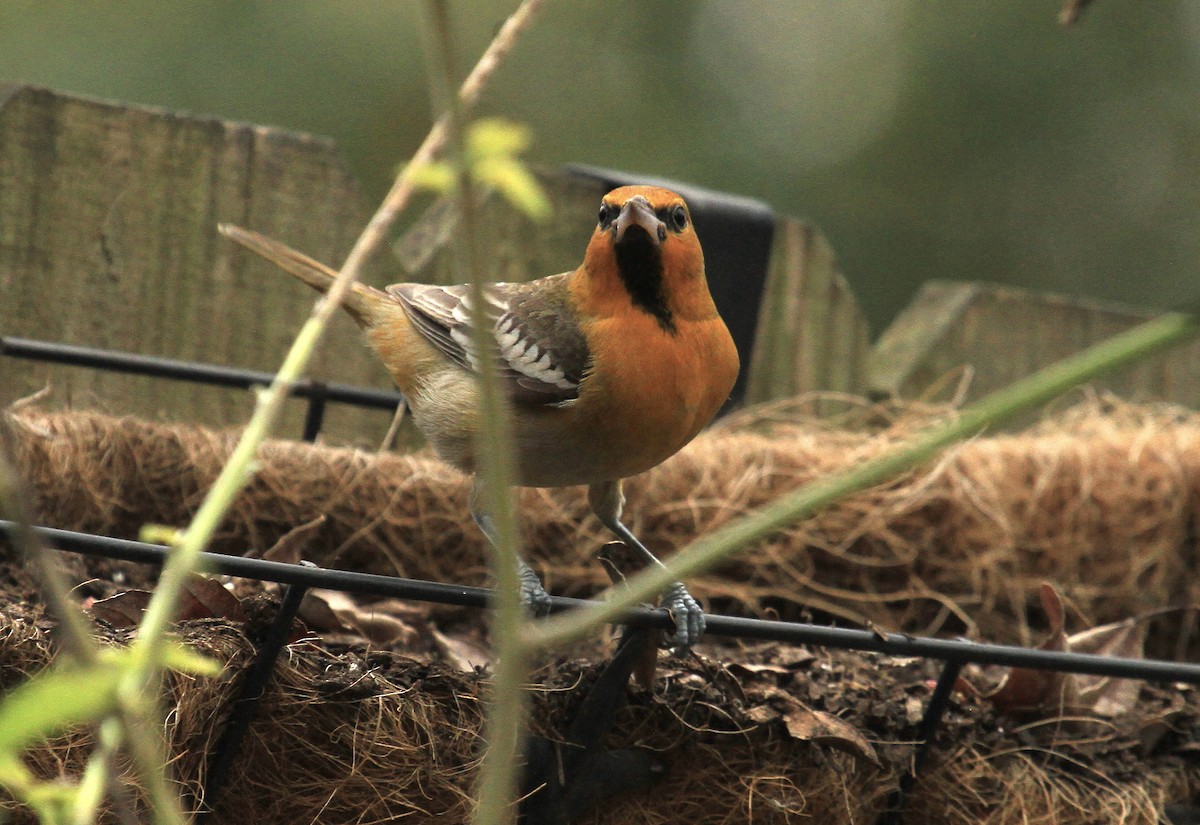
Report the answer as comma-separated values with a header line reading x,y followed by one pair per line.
x,y
107,239
108,217
1000,334
812,334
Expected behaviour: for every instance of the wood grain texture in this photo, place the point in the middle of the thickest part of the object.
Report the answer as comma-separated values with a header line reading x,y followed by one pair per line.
x,y
1000,334
108,238
812,335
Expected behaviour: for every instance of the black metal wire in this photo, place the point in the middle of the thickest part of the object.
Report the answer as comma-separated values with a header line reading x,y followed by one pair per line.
x,y
254,683
137,364
300,577
939,702
894,644
314,417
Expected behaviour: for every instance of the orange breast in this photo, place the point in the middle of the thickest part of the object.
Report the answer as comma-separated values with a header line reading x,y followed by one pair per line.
x,y
649,394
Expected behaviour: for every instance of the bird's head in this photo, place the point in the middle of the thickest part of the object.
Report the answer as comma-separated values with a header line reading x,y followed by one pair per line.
x,y
645,251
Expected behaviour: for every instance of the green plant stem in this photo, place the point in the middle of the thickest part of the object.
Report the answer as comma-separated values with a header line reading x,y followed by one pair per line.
x,y
148,752
99,775
401,193
505,719
1022,395
140,683
234,476
398,196
76,639
240,467
147,670
142,680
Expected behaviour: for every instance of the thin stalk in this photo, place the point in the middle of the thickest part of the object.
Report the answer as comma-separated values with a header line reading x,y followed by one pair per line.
x,y
147,668
397,198
1025,394
400,194
505,719
240,467
99,776
148,751
76,639
139,685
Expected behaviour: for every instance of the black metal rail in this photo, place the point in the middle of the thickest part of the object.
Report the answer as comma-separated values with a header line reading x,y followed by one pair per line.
x,y
318,393
894,644
298,578
138,364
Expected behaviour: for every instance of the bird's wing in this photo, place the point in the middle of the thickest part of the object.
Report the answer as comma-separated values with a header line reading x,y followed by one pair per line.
x,y
543,352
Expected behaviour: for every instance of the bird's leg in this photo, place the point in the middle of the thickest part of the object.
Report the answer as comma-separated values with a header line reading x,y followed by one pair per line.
x,y
607,502
533,595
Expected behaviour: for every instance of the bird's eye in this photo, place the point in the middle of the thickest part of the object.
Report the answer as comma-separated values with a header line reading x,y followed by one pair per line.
x,y
605,214
679,219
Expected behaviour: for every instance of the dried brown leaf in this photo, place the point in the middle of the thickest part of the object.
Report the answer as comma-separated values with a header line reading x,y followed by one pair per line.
x,y
767,692
383,629
460,653
1105,695
318,615
204,598
122,610
201,598
1039,693
376,622
808,725
1025,691
762,714
747,669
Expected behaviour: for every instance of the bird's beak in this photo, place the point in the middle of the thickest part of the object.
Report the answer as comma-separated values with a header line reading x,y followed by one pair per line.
x,y
637,212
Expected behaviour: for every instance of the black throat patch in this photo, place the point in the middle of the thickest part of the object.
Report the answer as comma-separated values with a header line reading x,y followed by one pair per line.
x,y
639,262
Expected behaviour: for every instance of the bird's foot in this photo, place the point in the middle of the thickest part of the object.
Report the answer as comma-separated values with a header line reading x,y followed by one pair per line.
x,y
533,595
688,617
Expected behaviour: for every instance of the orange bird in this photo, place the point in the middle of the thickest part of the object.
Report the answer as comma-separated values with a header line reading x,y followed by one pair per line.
x,y
611,368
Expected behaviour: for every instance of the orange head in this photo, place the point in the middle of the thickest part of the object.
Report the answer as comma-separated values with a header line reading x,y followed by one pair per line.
x,y
645,256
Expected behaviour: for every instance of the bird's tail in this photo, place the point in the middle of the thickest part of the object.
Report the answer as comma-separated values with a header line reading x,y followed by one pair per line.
x,y
362,302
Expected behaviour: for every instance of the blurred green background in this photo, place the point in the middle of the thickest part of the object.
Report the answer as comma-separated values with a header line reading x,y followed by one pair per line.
x,y
927,138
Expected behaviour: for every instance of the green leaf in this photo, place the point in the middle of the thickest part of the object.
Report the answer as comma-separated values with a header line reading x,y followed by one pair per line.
x,y
512,180
435,177
53,802
160,534
93,785
55,700
185,660
14,776
491,158
492,148
496,137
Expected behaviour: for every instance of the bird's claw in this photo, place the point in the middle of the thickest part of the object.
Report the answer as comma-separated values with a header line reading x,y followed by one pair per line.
x,y
533,595
688,618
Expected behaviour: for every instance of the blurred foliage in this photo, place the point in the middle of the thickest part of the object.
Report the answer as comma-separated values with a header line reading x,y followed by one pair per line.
x,y
929,139
492,146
